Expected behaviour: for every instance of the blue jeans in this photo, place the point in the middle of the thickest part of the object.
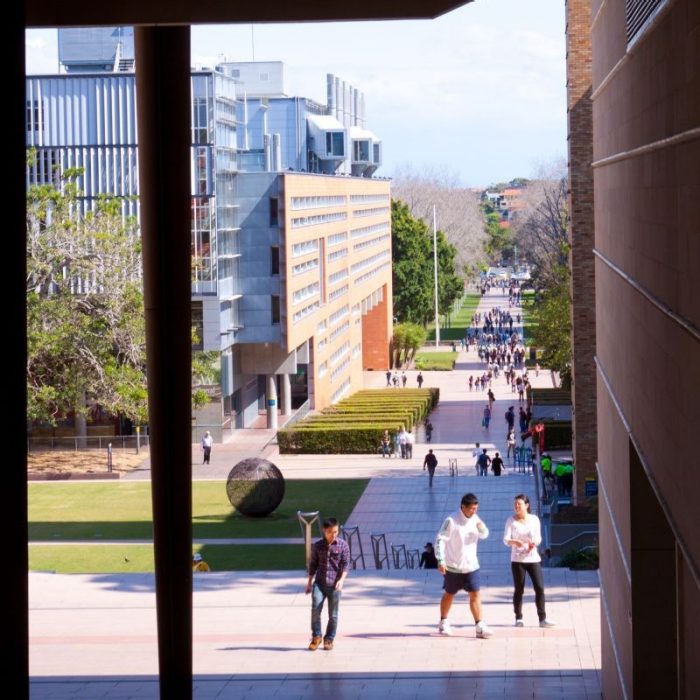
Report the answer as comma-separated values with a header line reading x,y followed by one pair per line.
x,y
319,594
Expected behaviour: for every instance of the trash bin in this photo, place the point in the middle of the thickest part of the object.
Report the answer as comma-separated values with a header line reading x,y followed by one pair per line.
x,y
533,354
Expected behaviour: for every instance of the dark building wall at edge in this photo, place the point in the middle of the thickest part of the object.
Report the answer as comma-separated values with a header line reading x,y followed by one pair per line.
x,y
646,110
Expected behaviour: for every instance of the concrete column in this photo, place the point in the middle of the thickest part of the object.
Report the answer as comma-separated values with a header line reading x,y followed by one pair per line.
x,y
271,401
163,94
286,390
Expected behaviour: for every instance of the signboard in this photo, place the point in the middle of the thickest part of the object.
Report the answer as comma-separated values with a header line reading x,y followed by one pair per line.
x,y
271,403
591,486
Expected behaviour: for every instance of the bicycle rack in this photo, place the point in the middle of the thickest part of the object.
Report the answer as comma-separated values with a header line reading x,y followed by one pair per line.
x,y
379,544
413,558
397,551
350,534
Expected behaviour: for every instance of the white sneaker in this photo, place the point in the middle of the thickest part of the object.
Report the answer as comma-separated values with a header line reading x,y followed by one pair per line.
x,y
444,628
547,623
519,623
483,631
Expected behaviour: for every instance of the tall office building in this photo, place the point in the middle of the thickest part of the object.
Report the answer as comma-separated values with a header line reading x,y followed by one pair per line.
x,y
291,237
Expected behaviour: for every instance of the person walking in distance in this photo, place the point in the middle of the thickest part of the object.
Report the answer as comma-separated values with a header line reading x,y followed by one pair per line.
x,y
430,463
428,430
487,417
207,442
523,535
475,455
497,465
419,379
328,568
456,549
483,462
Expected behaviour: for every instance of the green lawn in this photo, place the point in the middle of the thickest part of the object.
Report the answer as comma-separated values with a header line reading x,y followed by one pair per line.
x,y
440,361
122,510
132,558
459,322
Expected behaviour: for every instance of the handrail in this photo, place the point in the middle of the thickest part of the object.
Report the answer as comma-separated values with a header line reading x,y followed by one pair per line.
x,y
585,533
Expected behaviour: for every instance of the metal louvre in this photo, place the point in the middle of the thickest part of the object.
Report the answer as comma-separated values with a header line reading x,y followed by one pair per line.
x,y
637,13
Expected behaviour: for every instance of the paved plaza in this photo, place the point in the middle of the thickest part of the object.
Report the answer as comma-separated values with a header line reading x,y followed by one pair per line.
x,y
94,636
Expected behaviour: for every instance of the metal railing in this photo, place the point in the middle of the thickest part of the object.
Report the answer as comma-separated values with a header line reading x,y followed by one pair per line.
x,y
87,442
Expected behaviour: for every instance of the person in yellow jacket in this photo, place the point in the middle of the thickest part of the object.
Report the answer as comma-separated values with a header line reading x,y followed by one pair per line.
x,y
198,564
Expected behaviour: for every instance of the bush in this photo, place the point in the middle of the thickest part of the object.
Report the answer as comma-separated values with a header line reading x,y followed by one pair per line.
x,y
581,559
356,424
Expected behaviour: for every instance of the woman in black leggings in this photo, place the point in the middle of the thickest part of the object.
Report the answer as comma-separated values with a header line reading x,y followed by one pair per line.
x,y
523,536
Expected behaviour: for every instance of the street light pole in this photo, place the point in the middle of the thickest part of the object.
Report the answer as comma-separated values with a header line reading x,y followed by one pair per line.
x,y
437,320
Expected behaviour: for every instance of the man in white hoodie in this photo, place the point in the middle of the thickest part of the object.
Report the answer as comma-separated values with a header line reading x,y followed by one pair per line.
x,y
457,562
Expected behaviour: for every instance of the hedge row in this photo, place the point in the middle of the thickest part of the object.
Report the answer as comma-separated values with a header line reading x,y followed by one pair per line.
x,y
356,424
549,397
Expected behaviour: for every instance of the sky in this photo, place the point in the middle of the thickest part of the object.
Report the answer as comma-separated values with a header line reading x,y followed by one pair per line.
x,y
479,93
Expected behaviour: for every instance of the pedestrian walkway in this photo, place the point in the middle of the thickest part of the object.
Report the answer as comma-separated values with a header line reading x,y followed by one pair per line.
x,y
94,636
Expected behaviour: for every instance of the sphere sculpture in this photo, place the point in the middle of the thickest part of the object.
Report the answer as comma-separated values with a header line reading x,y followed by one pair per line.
x,y
255,487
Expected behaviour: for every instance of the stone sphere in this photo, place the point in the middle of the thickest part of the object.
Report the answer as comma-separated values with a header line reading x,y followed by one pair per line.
x,y
255,487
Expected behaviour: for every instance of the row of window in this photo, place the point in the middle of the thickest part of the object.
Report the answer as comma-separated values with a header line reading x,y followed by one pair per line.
x,y
343,350
370,261
368,198
304,247
305,292
371,242
338,276
368,230
341,391
337,293
342,328
371,273
316,219
337,238
337,315
317,202
375,211
340,369
306,311
305,266
337,254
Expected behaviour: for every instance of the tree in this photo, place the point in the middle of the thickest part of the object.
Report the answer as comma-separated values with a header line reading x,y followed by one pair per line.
x,y
457,210
413,268
86,331
412,271
550,323
541,226
406,340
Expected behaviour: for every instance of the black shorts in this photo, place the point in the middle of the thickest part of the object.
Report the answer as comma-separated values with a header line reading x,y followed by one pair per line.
x,y
453,583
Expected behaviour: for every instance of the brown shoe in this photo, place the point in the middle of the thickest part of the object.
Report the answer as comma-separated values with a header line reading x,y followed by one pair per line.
x,y
315,643
327,644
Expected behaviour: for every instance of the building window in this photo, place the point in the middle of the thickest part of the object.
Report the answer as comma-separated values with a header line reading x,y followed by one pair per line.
x,y
274,260
200,121
335,143
275,309
274,211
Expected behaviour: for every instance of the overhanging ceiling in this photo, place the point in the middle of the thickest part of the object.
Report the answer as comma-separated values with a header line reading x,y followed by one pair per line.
x,y
88,13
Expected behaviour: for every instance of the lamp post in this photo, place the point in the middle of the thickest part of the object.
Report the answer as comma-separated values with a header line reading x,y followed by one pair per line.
x,y
437,320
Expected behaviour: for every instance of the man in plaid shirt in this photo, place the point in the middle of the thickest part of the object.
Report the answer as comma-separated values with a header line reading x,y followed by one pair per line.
x,y
328,567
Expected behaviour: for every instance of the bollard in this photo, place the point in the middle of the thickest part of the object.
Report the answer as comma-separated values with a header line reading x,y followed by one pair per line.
x,y
109,457
138,439
453,466
306,521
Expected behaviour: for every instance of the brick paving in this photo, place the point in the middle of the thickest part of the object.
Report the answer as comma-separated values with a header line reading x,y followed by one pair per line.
x,y
94,636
